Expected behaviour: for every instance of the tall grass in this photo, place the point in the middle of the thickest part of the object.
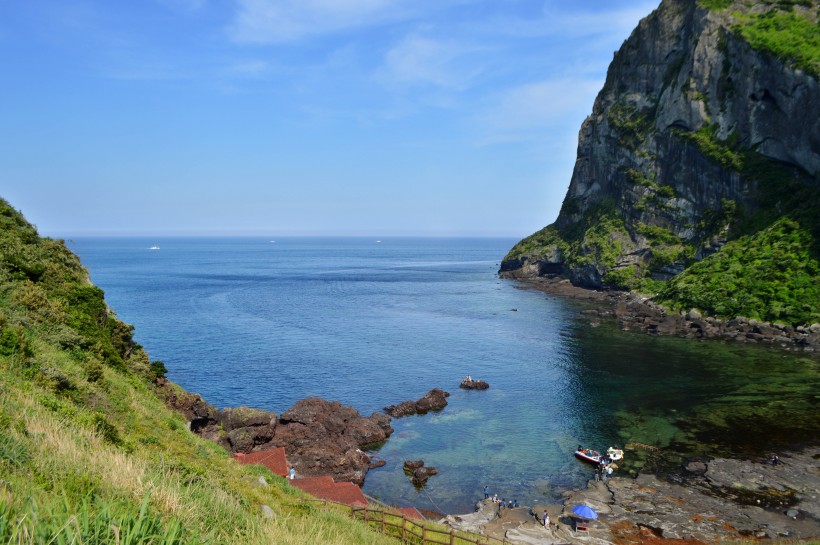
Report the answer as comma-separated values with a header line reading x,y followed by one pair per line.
x,y
88,452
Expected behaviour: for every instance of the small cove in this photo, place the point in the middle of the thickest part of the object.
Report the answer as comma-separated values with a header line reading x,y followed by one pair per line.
x,y
244,321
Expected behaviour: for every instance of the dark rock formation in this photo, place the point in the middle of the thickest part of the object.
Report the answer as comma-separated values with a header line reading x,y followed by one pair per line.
x,y
247,428
434,400
203,419
636,314
650,191
718,500
320,437
326,438
418,472
469,383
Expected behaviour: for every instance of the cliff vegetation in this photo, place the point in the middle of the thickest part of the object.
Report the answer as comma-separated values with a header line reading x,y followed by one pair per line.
x,y
88,453
698,172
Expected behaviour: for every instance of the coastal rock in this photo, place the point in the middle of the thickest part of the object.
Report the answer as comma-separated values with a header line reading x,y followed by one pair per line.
x,y
637,314
434,400
246,427
203,418
244,417
376,463
469,383
320,437
717,500
418,472
245,439
325,438
486,511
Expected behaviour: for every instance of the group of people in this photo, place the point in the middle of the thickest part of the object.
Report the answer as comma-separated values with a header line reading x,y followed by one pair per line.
x,y
502,503
510,504
603,469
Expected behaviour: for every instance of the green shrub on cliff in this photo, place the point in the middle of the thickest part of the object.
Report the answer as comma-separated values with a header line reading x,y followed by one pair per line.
x,y
789,36
536,244
769,276
89,453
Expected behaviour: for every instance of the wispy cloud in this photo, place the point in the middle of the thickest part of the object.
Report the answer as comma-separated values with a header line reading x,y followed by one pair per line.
x,y
428,61
267,21
518,112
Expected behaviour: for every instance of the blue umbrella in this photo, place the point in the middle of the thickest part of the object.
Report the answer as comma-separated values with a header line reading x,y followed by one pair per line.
x,y
585,511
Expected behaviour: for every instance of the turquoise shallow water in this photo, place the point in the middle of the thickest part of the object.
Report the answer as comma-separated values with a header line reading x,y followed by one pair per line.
x,y
248,321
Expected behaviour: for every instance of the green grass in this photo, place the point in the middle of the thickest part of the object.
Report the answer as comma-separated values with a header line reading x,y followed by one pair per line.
x,y
789,36
784,32
715,4
769,276
88,453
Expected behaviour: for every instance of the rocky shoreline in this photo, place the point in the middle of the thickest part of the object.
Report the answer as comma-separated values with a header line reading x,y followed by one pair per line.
x,y
321,437
637,313
711,500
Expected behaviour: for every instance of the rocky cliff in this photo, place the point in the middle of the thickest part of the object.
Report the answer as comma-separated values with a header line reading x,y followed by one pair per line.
x,y
706,131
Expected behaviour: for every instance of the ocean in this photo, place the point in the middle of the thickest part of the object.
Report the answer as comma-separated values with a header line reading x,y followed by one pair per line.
x,y
369,323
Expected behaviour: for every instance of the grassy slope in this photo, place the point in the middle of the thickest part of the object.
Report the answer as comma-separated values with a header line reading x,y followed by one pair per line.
x,y
88,453
769,276
790,30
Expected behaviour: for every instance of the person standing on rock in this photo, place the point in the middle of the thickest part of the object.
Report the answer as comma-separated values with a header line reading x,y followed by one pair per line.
x,y
546,520
486,491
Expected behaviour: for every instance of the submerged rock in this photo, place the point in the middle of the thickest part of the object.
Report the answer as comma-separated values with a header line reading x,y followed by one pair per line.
x,y
418,473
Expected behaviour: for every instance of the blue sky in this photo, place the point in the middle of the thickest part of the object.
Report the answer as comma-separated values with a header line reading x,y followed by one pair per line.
x,y
288,117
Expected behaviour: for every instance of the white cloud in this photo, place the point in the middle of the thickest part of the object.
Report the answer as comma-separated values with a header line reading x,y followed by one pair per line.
x,y
536,107
422,60
274,21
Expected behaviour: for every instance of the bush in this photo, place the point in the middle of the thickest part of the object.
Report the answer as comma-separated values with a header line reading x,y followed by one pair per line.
x,y
158,368
770,276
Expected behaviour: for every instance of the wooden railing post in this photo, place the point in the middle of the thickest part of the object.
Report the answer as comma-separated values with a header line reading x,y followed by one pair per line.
x,y
452,536
424,535
383,516
403,528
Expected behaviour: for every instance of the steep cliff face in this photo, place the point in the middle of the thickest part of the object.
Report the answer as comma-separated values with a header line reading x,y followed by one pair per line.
x,y
704,131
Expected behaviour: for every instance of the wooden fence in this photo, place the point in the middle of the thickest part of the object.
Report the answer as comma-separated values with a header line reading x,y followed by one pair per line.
x,y
412,531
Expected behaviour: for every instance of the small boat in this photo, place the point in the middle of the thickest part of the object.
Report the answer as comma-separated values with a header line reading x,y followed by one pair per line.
x,y
614,454
154,248
588,455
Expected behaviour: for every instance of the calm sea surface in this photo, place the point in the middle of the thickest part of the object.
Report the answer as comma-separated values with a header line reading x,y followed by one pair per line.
x,y
250,321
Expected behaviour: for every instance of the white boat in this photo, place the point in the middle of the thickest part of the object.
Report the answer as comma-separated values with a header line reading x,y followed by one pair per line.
x,y
614,454
154,248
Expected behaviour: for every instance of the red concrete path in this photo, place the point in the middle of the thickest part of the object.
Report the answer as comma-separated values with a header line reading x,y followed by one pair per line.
x,y
273,459
411,512
323,487
327,489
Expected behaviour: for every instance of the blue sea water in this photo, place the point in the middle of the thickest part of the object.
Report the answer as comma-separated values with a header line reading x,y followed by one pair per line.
x,y
251,321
